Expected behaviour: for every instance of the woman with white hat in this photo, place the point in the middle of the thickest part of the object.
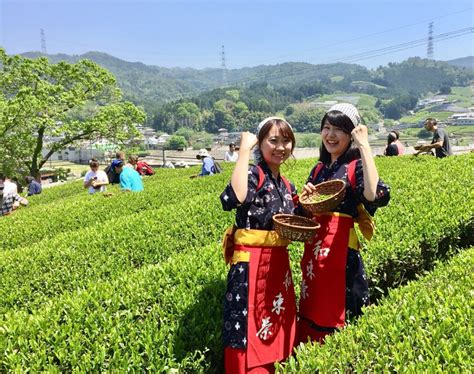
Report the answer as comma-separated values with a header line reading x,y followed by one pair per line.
x,y
334,286
208,164
259,306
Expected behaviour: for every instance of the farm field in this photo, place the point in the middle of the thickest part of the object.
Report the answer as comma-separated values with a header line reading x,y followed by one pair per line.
x,y
134,282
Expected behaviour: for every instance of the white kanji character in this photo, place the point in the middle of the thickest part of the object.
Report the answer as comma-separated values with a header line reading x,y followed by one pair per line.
x,y
287,282
264,330
317,247
309,270
237,297
241,269
277,304
304,290
244,312
324,252
237,326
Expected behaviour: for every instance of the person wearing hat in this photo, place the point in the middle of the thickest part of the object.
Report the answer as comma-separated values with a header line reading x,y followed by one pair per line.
x,y
334,286
231,155
259,303
208,165
10,200
110,170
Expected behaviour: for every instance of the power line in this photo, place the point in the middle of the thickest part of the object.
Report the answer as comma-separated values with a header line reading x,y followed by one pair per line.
x,y
349,59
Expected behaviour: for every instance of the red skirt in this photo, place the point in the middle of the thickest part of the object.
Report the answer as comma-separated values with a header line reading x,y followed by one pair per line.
x,y
270,311
323,288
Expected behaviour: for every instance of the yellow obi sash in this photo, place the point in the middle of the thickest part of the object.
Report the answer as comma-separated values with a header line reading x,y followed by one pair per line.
x,y
249,238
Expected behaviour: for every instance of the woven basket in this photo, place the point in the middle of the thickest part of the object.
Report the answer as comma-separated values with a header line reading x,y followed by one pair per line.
x,y
335,188
294,228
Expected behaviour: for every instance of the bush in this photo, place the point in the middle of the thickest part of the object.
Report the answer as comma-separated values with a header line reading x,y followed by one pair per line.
x,y
424,327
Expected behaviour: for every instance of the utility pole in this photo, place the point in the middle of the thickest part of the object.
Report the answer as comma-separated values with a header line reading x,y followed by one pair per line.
x,y
429,53
43,42
223,67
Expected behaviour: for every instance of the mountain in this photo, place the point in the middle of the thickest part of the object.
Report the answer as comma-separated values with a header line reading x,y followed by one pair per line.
x,y
152,86
463,62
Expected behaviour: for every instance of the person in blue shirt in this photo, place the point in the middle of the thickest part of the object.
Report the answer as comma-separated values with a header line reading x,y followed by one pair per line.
x,y
34,187
130,180
208,166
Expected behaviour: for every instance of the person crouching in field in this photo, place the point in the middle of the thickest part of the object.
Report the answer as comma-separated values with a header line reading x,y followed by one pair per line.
x,y
259,304
95,179
34,186
10,201
394,147
334,286
130,180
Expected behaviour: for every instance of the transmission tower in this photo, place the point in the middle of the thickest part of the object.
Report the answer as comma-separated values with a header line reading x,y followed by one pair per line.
x,y
43,42
429,53
224,68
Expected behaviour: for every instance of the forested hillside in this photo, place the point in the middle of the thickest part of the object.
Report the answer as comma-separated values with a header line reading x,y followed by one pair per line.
x,y
280,85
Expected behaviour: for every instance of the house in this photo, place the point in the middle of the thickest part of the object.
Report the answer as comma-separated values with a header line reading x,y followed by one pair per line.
x,y
461,119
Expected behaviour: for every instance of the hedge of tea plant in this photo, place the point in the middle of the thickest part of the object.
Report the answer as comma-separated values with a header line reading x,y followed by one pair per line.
x,y
82,298
43,221
423,327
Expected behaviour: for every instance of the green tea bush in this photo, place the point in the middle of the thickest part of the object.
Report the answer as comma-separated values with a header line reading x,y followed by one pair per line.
x,y
423,327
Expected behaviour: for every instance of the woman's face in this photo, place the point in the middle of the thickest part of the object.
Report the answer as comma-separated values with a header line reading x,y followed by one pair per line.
x,y
275,147
335,140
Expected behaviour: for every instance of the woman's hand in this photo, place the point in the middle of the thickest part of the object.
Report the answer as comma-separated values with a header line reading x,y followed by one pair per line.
x,y
308,188
247,141
360,136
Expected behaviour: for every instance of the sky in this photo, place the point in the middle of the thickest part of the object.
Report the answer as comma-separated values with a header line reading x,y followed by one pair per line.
x,y
191,33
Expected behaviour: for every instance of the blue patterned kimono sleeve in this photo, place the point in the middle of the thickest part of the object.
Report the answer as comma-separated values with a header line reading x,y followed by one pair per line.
x,y
383,191
228,198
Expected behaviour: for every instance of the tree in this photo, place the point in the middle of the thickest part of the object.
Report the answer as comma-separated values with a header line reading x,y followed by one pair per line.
x,y
187,114
176,142
52,106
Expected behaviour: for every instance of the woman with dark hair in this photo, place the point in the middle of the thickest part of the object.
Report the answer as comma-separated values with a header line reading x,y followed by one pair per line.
x,y
259,306
334,286
394,147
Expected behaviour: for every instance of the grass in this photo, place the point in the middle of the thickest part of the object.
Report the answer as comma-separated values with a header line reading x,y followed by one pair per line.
x,y
77,169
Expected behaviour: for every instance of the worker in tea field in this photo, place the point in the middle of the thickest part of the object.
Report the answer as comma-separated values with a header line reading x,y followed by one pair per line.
x,y
440,142
130,180
259,304
114,178
209,165
95,180
9,200
231,155
394,147
34,186
334,285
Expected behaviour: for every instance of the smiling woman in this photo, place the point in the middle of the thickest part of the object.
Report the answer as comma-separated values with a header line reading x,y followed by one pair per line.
x,y
259,304
334,285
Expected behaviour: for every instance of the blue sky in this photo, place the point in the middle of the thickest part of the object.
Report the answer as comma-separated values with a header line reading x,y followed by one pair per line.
x,y
190,33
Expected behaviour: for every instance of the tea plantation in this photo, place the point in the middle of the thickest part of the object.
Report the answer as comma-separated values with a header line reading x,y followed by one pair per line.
x,y
134,282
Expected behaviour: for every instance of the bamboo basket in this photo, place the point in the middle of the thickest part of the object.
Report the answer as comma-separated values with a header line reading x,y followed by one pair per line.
x,y
335,188
294,227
